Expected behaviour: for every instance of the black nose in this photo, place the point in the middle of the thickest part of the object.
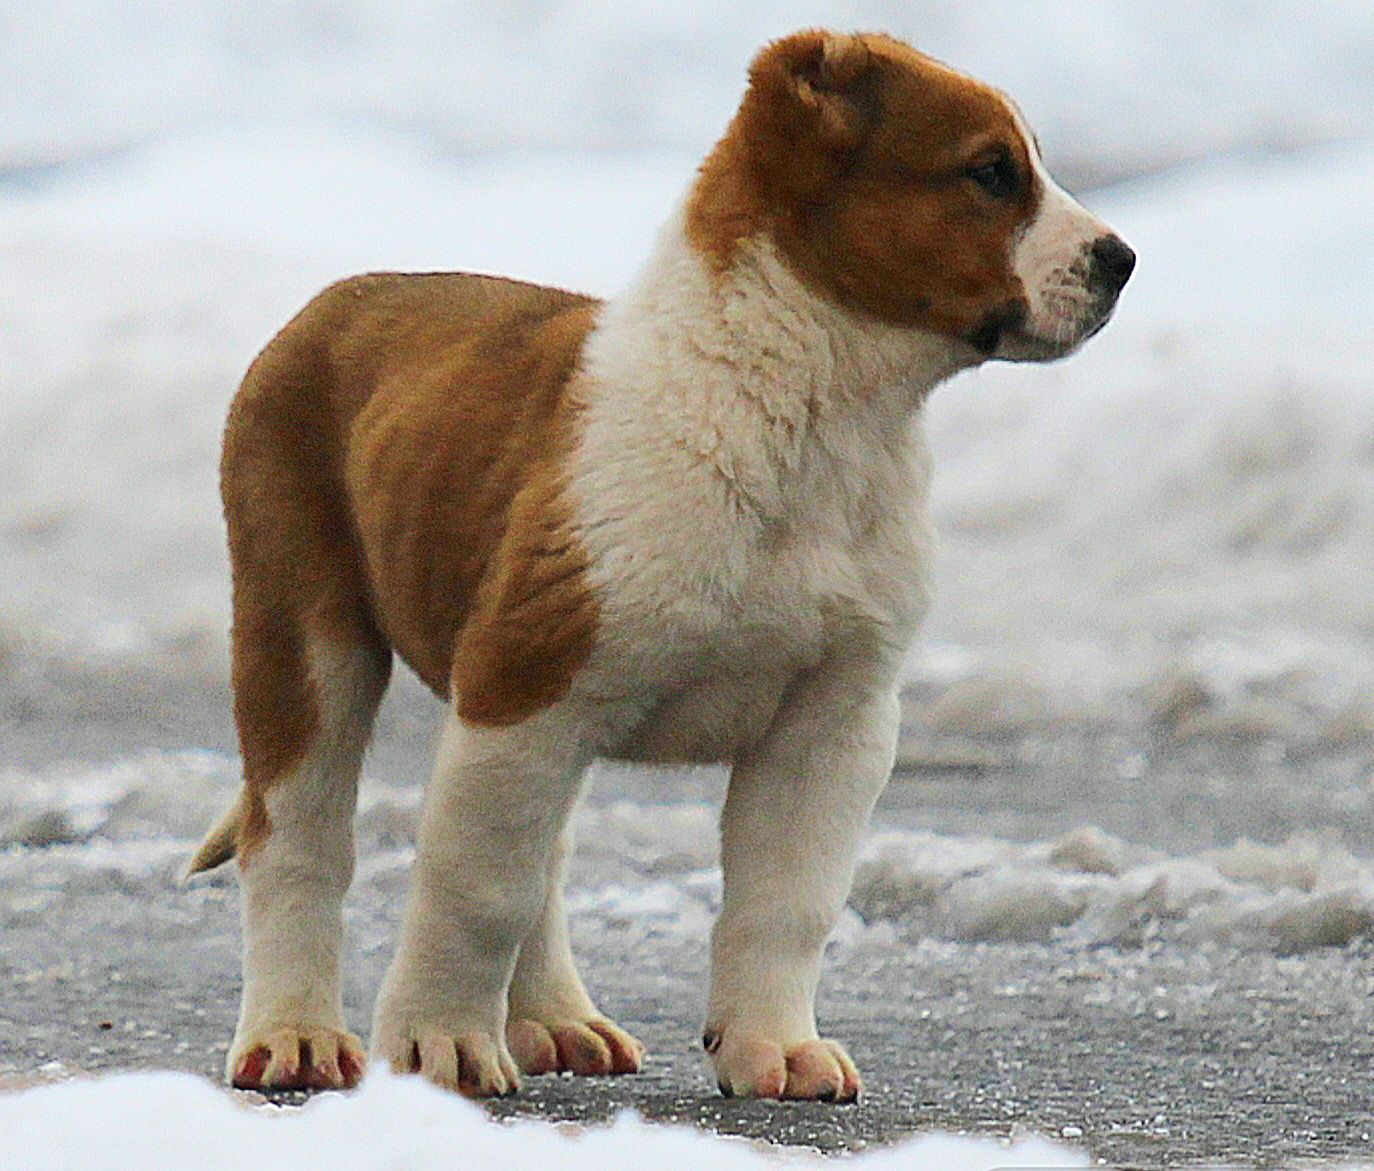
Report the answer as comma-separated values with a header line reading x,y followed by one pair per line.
x,y
1112,264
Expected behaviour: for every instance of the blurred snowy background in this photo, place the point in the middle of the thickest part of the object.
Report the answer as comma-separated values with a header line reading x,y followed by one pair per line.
x,y
1170,534
1191,499
1173,530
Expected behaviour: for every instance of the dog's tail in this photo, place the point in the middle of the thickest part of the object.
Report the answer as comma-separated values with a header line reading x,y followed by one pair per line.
x,y
221,843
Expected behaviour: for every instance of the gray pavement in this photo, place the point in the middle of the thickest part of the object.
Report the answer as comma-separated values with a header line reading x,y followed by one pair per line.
x,y
1155,1056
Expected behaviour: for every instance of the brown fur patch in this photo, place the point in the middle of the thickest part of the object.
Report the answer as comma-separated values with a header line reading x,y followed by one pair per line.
x,y
456,477
392,478
853,153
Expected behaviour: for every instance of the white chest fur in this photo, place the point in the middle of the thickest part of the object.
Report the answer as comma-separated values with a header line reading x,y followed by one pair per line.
x,y
751,478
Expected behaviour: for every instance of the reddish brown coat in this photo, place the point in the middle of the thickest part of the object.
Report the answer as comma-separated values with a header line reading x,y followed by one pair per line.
x,y
853,153
392,478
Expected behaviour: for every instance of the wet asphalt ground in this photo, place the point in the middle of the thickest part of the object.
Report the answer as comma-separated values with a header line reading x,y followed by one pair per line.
x,y
1154,1056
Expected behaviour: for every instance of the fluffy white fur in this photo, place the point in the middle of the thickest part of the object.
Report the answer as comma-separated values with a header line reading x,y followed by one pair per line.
x,y
750,489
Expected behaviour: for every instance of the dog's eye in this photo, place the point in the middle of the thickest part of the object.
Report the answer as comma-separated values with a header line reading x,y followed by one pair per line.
x,y
999,178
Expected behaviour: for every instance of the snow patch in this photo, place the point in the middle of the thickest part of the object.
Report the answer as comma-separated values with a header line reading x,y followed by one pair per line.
x,y
1179,496
1111,87
157,794
1091,888
175,1122
653,868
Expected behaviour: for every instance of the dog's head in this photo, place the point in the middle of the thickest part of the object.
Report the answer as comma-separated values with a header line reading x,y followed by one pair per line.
x,y
894,185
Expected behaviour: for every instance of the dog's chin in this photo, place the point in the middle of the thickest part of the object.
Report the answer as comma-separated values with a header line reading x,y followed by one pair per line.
x,y
1025,346
1027,343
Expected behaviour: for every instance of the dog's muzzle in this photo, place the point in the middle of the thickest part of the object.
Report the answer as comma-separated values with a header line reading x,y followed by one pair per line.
x,y
997,324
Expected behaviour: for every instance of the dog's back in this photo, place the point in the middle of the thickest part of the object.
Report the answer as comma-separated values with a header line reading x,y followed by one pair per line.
x,y
370,462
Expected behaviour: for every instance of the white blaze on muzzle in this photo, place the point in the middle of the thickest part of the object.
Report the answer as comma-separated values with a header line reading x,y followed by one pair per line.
x,y
1070,275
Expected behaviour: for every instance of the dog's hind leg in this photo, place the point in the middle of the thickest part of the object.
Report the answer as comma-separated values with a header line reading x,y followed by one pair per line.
x,y
309,669
295,853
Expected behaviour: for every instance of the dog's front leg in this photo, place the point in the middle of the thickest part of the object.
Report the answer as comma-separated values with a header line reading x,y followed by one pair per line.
x,y
796,808
494,810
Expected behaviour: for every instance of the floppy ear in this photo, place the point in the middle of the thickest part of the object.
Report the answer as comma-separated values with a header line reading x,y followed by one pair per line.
x,y
813,99
819,89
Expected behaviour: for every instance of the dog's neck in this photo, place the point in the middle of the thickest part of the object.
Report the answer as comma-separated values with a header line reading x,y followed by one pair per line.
x,y
748,381
757,337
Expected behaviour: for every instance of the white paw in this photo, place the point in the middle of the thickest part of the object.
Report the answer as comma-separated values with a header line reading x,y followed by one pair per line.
x,y
296,1057
750,1065
470,1059
593,1047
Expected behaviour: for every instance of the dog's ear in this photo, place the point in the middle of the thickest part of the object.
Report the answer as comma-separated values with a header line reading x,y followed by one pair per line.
x,y
822,88
812,102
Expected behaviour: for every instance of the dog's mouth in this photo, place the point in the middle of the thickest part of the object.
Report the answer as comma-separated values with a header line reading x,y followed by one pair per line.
x,y
1029,341
999,324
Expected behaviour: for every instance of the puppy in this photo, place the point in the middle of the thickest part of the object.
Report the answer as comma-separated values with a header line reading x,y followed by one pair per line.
x,y
684,525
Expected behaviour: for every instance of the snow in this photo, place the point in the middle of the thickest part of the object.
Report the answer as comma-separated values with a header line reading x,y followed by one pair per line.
x,y
1089,888
1197,487
1176,525
1112,86
176,1122
176,180
119,366
1201,474
650,870
1083,889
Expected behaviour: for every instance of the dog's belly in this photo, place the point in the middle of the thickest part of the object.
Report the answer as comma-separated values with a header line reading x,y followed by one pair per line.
x,y
738,675
709,721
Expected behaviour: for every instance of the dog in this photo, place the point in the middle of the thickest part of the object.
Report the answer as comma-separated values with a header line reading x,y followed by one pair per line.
x,y
687,525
